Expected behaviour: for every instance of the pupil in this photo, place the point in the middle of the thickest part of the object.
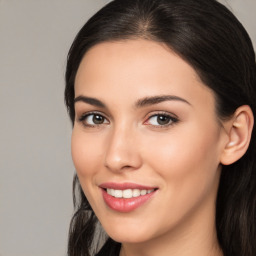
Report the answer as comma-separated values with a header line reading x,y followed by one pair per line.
x,y
97,119
163,120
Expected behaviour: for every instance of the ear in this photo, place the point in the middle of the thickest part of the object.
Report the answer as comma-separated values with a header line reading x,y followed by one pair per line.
x,y
239,130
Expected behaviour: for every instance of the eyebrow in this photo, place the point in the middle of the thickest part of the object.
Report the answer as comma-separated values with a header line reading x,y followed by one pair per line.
x,y
147,101
91,101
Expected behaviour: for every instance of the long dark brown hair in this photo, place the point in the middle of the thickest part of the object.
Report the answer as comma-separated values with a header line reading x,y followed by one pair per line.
x,y
209,37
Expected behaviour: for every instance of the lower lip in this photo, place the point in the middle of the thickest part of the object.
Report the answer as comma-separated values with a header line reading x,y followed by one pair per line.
x,y
125,204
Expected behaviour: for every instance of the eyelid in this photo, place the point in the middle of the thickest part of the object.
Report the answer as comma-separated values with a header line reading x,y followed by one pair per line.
x,y
83,116
173,119
87,113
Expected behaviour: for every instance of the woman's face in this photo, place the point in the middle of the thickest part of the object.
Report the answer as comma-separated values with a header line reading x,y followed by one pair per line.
x,y
146,142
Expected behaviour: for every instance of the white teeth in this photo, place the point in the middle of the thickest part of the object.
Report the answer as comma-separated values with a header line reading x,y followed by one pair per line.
x,y
136,192
128,193
118,193
143,192
111,191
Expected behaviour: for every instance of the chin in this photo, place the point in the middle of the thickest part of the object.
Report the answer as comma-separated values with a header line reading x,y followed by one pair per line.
x,y
128,238
122,234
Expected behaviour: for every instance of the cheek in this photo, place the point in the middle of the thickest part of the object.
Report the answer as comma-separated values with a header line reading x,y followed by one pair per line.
x,y
185,160
86,154
187,166
87,157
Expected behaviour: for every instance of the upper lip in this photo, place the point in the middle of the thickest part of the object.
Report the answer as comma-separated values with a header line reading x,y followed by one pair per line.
x,y
125,185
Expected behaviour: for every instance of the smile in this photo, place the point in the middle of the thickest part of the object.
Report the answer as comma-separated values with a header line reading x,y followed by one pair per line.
x,y
126,197
128,193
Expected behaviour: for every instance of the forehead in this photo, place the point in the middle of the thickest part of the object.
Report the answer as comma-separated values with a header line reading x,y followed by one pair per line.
x,y
145,67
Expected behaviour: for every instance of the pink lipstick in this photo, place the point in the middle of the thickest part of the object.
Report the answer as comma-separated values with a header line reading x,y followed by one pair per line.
x,y
126,197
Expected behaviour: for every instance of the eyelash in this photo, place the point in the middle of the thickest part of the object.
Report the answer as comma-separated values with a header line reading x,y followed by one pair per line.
x,y
84,116
172,120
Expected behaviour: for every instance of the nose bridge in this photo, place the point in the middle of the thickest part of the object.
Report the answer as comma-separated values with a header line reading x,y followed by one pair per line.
x,y
122,151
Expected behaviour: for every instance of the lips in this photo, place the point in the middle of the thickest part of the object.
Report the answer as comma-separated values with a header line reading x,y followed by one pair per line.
x,y
126,197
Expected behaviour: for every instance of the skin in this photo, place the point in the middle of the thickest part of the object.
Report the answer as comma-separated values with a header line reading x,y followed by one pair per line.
x,y
182,159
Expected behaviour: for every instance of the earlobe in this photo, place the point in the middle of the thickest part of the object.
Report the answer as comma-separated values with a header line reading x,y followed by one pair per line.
x,y
239,135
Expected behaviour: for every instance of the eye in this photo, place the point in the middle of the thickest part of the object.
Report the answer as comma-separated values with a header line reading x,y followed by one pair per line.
x,y
93,119
161,120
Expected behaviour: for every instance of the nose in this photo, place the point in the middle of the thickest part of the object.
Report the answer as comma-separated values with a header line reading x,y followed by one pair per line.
x,y
122,151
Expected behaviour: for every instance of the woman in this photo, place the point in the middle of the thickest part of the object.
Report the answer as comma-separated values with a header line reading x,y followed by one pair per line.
x,y
162,95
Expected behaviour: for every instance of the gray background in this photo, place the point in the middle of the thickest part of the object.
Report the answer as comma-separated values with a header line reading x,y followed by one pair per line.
x,y
35,162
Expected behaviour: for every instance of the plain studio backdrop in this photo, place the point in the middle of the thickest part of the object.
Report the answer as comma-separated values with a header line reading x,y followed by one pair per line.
x,y
36,169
